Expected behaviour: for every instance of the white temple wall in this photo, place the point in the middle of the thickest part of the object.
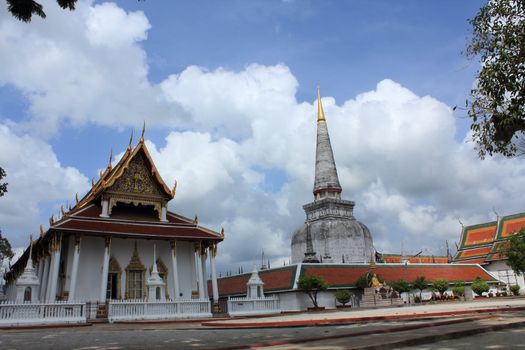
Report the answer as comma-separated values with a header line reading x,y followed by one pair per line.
x,y
299,301
90,268
504,273
186,267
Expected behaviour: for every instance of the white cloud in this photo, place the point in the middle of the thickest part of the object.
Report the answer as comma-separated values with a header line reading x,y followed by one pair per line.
x,y
34,177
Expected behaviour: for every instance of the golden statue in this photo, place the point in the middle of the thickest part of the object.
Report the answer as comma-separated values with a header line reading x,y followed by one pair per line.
x,y
375,282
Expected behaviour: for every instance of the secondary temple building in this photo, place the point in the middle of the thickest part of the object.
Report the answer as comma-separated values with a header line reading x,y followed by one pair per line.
x,y
120,242
481,244
330,233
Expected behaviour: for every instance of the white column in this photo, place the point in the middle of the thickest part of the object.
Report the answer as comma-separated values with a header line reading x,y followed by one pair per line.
x,y
43,279
105,268
174,267
74,270
50,274
204,273
55,265
105,209
199,273
214,288
163,213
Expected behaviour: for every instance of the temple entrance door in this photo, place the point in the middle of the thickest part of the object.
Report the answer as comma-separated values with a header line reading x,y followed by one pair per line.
x,y
112,290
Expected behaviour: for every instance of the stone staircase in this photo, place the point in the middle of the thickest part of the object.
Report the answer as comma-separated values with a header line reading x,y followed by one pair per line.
x,y
377,298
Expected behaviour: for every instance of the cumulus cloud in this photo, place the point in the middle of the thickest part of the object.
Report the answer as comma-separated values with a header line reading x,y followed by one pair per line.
x,y
35,177
243,148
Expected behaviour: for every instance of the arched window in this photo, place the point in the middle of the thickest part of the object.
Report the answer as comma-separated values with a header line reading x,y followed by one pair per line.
x,y
114,274
27,294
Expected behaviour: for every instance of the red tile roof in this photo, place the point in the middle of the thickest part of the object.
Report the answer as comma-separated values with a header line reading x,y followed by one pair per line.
x,y
103,226
276,280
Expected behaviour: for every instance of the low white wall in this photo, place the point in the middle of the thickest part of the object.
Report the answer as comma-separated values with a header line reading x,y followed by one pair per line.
x,y
19,314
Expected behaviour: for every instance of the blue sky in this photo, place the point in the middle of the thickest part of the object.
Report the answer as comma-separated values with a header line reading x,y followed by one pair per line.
x,y
228,92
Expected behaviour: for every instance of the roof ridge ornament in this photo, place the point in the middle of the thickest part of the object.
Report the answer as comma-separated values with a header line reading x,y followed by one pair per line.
x,y
130,140
320,112
143,131
110,159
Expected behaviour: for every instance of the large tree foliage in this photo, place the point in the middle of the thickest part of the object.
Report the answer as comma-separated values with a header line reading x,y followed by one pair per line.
x,y
514,250
497,104
311,285
25,9
5,249
3,186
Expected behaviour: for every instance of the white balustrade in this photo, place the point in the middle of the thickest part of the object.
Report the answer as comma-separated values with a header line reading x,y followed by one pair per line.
x,y
14,314
258,306
129,310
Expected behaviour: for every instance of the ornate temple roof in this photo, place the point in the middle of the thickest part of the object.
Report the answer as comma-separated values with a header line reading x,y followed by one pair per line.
x,y
480,243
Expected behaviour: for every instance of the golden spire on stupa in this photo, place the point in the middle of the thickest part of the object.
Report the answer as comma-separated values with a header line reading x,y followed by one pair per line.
x,y
320,112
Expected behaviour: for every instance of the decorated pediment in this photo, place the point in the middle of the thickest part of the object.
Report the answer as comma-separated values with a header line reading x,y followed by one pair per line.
x,y
138,180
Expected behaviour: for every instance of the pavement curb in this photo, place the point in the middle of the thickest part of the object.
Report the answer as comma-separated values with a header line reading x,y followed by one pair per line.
x,y
45,326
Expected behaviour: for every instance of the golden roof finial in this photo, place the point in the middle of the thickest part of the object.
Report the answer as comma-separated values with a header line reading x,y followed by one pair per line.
x,y
62,211
320,112
52,220
92,182
31,239
174,189
222,231
130,140
41,230
196,219
143,131
100,173
110,159
76,197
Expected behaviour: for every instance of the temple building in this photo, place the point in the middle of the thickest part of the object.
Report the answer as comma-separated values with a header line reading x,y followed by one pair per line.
x,y
481,244
120,242
330,233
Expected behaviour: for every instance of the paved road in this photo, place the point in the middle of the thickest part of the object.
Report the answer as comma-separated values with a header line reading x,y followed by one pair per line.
x,y
165,336
509,339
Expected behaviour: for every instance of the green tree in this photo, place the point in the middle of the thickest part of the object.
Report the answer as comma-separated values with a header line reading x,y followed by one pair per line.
x,y
24,10
441,285
497,102
311,285
401,286
459,289
420,284
362,282
5,249
3,186
515,289
343,296
480,286
514,250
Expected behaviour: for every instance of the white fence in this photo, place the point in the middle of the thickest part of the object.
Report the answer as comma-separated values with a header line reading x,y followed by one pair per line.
x,y
261,306
19,314
130,310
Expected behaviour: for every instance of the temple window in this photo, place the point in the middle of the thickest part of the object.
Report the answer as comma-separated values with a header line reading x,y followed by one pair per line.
x,y
135,277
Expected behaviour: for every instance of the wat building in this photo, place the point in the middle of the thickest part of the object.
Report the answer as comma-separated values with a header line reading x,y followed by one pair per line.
x,y
330,233
120,242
